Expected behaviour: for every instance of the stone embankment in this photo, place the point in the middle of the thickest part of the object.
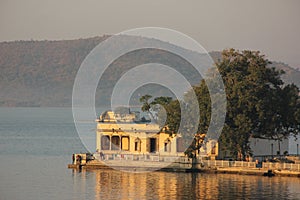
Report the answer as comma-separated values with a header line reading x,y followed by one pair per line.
x,y
183,164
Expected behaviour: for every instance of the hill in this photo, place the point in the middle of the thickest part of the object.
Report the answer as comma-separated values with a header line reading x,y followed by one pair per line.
x,y
41,73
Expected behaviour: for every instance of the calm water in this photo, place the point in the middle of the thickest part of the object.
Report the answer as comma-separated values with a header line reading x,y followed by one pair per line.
x,y
36,145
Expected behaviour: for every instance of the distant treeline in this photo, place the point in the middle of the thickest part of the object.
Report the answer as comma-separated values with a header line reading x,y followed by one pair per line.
x,y
41,73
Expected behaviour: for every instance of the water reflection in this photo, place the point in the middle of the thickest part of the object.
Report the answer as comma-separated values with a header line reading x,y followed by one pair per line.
x,y
111,184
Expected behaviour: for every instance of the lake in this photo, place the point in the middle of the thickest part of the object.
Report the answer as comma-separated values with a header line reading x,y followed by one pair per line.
x,y
36,145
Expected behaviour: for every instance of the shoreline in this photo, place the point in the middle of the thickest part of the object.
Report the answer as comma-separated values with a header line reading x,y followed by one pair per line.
x,y
147,166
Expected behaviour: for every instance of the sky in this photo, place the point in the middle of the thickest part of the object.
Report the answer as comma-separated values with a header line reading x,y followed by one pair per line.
x,y
270,26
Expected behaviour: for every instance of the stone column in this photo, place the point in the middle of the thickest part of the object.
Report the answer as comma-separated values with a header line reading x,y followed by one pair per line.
x,y
110,138
98,141
120,145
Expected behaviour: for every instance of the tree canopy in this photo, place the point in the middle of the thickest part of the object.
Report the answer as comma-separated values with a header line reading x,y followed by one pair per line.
x,y
259,104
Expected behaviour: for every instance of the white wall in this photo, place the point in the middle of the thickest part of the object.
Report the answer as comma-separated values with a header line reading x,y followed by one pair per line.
x,y
293,145
262,147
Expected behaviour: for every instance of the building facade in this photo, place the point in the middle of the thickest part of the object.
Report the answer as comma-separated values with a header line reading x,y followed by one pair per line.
x,y
128,134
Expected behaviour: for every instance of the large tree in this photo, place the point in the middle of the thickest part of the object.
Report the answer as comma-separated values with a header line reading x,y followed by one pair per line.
x,y
162,110
258,103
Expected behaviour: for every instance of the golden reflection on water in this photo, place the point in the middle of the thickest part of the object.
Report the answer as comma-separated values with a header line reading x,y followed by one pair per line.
x,y
112,184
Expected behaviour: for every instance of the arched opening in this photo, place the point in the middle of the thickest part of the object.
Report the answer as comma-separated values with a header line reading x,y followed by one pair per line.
x,y
167,145
152,145
213,148
115,143
105,142
125,143
137,144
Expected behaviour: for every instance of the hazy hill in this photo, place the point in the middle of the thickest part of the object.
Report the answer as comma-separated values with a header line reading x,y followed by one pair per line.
x,y
41,73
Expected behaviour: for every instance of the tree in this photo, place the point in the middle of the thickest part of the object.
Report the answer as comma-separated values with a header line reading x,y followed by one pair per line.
x,y
171,115
284,121
258,103
146,105
160,109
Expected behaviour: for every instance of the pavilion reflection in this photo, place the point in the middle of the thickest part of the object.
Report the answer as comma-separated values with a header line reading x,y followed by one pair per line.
x,y
152,185
113,184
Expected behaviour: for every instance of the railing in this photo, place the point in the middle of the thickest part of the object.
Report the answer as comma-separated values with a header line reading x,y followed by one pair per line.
x,y
142,157
244,164
281,166
226,163
176,159
199,163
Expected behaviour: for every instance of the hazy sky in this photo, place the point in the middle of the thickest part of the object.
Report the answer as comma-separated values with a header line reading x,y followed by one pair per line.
x,y
271,26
